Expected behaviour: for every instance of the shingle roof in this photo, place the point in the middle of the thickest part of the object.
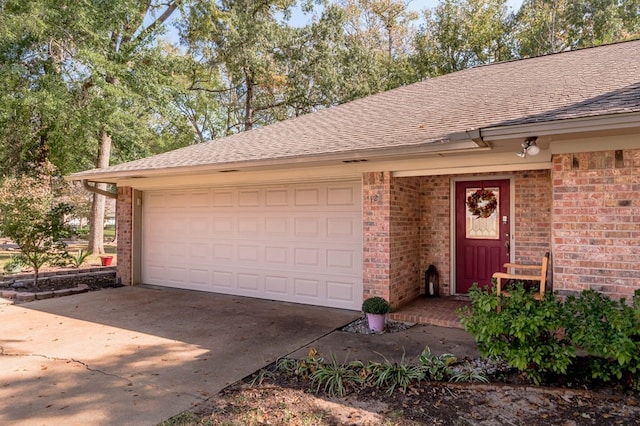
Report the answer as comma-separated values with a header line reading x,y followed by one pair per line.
x,y
582,83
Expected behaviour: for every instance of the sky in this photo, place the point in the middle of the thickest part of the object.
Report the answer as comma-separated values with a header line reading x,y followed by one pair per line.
x,y
299,19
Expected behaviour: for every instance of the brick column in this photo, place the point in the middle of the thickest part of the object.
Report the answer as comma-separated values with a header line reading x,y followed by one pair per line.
x,y
596,226
376,211
124,218
391,246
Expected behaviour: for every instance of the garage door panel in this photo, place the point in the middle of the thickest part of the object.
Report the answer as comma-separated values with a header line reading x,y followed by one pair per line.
x,y
222,251
276,198
306,288
340,259
342,196
249,225
276,286
340,292
249,254
223,225
222,280
299,243
200,277
249,282
276,256
223,198
276,226
306,197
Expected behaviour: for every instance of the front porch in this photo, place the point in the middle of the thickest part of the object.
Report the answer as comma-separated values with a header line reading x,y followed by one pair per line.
x,y
438,311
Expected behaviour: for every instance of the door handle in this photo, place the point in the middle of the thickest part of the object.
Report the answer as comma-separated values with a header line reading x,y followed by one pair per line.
x,y
507,244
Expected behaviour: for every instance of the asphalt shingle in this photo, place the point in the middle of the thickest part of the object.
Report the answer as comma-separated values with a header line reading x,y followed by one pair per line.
x,y
584,83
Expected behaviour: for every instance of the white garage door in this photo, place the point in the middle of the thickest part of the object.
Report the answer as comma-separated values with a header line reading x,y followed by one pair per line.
x,y
297,243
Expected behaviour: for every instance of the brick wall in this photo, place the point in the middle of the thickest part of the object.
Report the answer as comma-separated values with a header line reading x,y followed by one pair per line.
x,y
376,196
124,218
406,214
532,219
436,229
392,216
532,215
596,225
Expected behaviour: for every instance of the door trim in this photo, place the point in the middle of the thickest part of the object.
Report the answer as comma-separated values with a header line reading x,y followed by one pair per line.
x,y
452,219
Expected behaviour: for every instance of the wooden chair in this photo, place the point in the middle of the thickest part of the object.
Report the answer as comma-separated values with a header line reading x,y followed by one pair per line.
x,y
535,273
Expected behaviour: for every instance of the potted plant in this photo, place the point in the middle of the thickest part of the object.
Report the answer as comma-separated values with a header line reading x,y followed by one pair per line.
x,y
376,309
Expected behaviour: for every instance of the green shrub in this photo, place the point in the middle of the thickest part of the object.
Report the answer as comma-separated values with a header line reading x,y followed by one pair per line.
x,y
468,373
390,375
335,378
14,266
436,367
77,260
609,331
376,305
526,333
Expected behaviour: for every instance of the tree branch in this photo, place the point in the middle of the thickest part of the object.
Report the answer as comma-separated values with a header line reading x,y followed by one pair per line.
x,y
171,7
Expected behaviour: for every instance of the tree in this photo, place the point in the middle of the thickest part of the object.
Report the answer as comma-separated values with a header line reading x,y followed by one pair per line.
x,y
540,27
238,42
460,34
34,220
386,28
547,26
86,84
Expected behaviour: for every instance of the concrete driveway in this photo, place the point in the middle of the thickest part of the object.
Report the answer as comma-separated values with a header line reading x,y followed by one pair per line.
x,y
139,355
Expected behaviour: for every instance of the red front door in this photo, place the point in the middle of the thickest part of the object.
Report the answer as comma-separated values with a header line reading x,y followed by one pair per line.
x,y
482,243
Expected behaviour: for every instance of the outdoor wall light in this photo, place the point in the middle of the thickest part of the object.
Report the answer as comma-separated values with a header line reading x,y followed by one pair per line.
x,y
529,147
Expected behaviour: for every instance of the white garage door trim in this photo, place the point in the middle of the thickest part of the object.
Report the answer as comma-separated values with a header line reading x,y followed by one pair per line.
x,y
297,243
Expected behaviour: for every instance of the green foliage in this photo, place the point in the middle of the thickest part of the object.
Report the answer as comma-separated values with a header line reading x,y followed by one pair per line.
x,y
462,33
34,220
390,375
14,265
80,257
303,368
468,373
543,27
335,378
542,337
436,367
525,332
609,330
376,305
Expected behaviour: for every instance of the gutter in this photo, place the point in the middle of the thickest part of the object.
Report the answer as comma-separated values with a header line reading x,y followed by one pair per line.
x,y
460,142
563,126
90,188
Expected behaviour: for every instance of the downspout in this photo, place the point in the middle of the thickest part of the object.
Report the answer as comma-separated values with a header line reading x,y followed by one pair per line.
x,y
90,188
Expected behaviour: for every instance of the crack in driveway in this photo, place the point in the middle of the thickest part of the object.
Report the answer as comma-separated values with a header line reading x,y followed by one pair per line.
x,y
53,358
88,368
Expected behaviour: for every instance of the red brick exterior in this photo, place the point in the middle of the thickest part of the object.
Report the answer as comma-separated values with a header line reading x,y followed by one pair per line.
x,y
532,215
584,211
124,217
406,236
391,243
436,229
596,225
376,211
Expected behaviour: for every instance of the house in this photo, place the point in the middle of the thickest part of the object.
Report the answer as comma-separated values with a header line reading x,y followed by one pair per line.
x,y
359,199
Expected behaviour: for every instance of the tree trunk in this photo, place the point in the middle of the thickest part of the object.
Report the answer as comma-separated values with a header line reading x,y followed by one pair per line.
x,y
248,103
96,227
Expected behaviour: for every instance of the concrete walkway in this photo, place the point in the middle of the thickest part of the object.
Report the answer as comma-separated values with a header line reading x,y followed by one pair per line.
x,y
137,356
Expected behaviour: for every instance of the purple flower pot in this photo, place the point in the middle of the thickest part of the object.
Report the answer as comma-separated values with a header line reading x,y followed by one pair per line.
x,y
376,322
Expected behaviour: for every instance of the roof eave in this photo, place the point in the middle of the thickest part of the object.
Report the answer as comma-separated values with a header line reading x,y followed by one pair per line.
x,y
459,142
563,126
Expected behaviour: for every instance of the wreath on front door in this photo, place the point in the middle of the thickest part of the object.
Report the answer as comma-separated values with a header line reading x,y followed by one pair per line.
x,y
482,203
